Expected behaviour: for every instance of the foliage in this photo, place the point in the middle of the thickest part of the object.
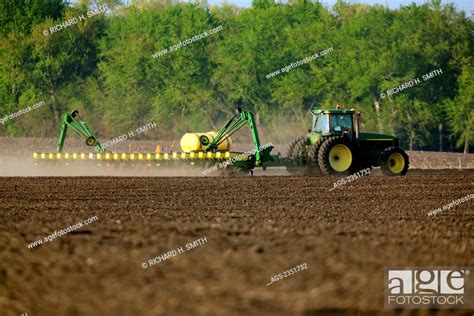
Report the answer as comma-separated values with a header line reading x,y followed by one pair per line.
x,y
104,67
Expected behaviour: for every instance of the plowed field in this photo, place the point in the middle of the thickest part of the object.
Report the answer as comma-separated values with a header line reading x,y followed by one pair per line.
x,y
255,227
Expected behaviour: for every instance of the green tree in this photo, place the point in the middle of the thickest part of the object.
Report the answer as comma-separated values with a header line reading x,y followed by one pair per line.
x,y
461,109
20,16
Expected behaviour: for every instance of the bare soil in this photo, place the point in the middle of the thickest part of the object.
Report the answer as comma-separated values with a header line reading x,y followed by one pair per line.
x,y
255,227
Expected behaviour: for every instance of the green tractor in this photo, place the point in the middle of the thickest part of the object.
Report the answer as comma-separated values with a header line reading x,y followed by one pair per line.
x,y
335,146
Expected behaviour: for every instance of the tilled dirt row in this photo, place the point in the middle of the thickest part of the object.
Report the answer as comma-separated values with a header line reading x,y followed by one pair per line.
x,y
249,229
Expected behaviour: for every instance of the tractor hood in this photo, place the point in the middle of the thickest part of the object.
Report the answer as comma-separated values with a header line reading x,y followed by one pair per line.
x,y
377,137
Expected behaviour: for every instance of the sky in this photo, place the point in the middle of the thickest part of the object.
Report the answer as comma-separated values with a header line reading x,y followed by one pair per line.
x,y
466,5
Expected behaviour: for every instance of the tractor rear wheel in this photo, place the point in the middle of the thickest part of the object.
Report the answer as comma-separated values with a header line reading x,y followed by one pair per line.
x,y
394,162
313,164
336,156
298,157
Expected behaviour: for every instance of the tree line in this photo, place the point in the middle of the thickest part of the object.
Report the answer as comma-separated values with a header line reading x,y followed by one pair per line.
x,y
104,66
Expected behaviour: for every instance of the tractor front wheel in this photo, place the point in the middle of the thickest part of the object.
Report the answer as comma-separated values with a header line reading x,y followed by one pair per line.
x,y
336,156
394,162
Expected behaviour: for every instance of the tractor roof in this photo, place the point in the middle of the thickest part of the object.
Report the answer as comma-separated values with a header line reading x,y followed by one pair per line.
x,y
333,111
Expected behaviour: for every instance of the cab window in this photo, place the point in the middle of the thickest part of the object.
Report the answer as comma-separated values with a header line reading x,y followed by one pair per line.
x,y
341,122
321,124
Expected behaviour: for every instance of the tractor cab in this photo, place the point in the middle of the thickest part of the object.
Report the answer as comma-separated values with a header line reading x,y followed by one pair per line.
x,y
336,122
